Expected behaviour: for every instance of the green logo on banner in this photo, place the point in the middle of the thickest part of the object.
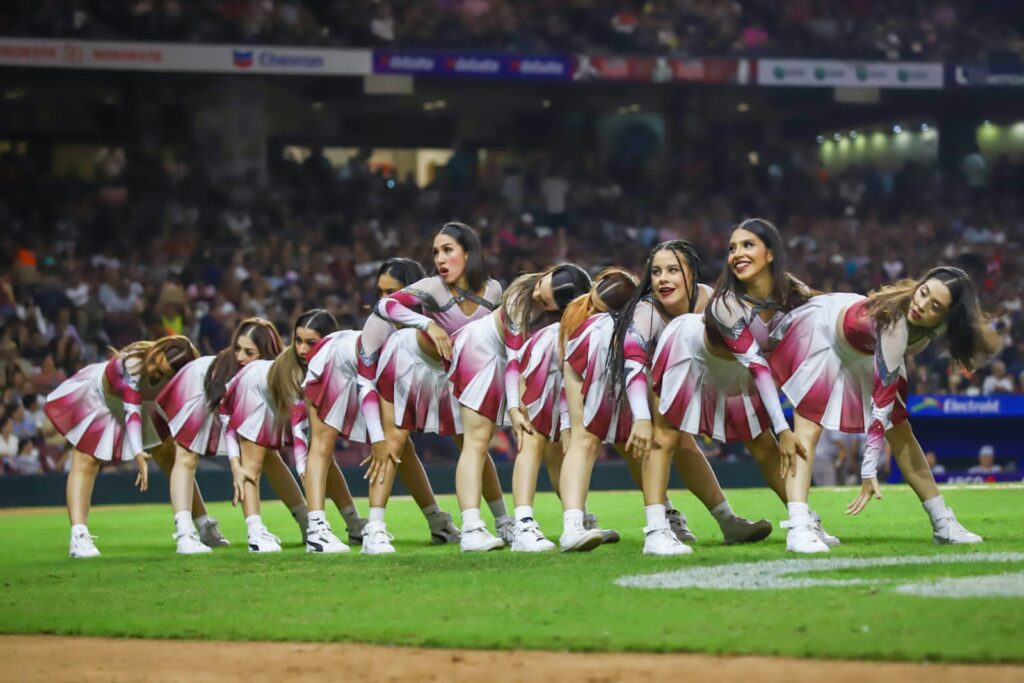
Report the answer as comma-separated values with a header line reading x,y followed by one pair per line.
x,y
903,75
862,72
779,73
819,73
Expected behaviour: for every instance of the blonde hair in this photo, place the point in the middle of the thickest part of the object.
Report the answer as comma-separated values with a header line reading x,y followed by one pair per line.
x,y
176,349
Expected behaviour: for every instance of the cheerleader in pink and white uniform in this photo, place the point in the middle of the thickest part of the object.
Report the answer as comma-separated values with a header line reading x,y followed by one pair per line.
x,y
710,371
409,371
334,391
260,404
668,289
840,359
485,375
585,336
190,403
105,411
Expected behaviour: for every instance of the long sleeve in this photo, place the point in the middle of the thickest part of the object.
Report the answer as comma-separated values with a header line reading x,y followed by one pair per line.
x,y
398,308
514,339
731,318
123,381
230,435
637,343
375,333
299,420
890,353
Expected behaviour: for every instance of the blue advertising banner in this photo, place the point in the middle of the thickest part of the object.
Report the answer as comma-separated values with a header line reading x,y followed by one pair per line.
x,y
1002,405
991,75
473,65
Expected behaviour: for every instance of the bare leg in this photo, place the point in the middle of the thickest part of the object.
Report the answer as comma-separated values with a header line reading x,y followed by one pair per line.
x,y
396,439
527,468
165,456
183,478
337,487
696,471
584,447
765,450
469,473
282,481
319,459
798,485
81,479
253,456
553,461
491,482
655,469
414,477
910,458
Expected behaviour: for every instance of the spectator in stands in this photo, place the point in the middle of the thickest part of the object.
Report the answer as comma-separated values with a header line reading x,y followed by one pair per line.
x,y
998,382
933,463
27,459
986,462
23,423
8,441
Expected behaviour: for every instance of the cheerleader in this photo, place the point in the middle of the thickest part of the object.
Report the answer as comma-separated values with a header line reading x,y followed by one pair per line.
x,y
840,359
332,389
710,371
485,376
190,403
667,290
411,391
259,404
105,411
585,336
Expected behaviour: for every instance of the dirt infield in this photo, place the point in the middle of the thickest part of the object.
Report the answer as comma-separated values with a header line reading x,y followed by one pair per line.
x,y
29,659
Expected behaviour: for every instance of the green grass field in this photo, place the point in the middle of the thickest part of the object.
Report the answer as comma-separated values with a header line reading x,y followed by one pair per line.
x,y
434,596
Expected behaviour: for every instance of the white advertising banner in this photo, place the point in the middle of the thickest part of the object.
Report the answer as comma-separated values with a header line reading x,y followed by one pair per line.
x,y
184,57
825,73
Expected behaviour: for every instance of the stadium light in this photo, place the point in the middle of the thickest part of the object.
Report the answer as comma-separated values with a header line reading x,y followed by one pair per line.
x,y
924,128
743,106
853,135
546,104
837,137
821,139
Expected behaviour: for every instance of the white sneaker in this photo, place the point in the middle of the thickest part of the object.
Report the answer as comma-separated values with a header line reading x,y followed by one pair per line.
x,y
321,540
607,535
527,538
829,540
738,529
210,535
578,538
802,538
82,546
479,539
506,530
356,531
442,530
262,541
660,540
677,522
189,543
377,540
948,530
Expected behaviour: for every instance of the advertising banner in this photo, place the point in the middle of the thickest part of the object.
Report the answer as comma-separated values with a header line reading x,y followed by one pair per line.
x,y
938,405
1011,75
262,59
655,69
833,73
473,65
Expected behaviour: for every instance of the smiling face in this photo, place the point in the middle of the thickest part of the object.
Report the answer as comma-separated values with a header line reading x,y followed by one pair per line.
x,y
449,258
387,285
246,351
544,294
305,340
749,256
670,279
930,304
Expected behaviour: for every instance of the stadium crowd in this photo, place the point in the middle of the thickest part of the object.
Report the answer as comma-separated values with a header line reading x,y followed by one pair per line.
x,y
142,249
986,30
